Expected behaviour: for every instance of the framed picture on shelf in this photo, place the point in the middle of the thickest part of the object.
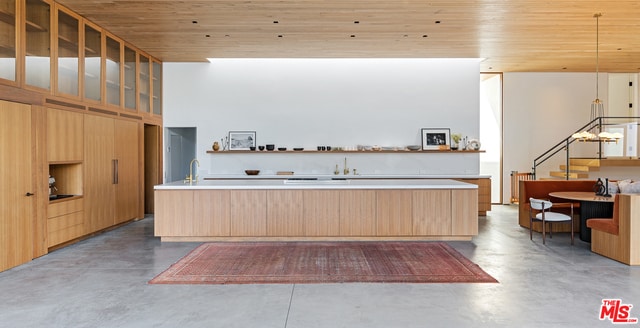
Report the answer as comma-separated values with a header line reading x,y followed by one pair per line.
x,y
436,139
242,140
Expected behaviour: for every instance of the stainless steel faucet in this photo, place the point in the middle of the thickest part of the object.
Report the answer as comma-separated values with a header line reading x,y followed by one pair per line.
x,y
190,178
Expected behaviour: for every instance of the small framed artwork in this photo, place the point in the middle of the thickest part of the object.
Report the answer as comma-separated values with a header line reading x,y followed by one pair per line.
x,y
435,139
242,140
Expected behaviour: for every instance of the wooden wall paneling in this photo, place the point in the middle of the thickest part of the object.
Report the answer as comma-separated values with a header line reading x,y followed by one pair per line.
x,y
464,210
99,187
174,211
395,213
41,171
127,150
321,213
248,212
357,212
211,213
65,136
432,212
16,209
285,213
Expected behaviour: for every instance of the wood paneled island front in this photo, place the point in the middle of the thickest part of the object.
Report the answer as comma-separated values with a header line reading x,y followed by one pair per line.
x,y
330,210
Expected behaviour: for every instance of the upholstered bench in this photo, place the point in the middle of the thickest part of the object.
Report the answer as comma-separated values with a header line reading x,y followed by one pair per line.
x,y
618,237
540,189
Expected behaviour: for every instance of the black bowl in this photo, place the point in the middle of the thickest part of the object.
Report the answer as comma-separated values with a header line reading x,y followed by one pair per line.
x,y
271,147
282,148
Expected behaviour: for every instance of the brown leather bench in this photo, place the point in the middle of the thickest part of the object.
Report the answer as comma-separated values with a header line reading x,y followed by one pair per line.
x,y
540,189
618,237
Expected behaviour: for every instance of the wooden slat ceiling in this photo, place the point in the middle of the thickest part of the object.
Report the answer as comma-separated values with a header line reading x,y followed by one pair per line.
x,y
512,36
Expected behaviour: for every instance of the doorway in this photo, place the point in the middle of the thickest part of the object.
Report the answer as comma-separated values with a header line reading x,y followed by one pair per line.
x,y
491,131
181,148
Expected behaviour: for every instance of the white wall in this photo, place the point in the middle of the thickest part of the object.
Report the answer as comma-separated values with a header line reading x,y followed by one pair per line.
x,y
541,109
336,102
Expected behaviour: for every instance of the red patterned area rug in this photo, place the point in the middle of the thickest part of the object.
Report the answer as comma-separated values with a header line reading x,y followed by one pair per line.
x,y
322,262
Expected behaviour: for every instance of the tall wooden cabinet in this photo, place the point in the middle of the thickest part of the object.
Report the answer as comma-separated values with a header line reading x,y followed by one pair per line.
x,y
111,172
17,204
89,95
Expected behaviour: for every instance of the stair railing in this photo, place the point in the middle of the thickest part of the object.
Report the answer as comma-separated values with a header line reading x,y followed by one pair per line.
x,y
596,124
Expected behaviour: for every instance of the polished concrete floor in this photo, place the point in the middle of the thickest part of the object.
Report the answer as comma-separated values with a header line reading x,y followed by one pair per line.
x,y
102,282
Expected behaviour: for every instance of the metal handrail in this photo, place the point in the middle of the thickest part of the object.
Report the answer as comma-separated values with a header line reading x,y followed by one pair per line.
x,y
564,144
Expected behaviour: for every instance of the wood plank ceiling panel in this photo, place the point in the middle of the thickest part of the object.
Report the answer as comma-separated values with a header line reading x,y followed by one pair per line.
x,y
523,35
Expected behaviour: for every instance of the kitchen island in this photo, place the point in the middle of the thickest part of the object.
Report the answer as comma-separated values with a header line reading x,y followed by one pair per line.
x,y
316,209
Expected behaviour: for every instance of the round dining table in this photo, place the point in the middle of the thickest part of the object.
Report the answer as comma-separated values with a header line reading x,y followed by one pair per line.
x,y
591,206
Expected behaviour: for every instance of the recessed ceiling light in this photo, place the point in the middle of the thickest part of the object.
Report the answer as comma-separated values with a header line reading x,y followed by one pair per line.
x,y
437,22
276,22
353,35
207,36
194,22
424,35
356,22
279,35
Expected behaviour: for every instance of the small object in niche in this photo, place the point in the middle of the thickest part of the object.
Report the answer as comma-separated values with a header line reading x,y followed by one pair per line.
x,y
282,148
216,146
252,172
252,148
261,147
271,147
414,147
298,149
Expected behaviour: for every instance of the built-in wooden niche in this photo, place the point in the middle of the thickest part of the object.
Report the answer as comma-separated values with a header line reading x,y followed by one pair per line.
x,y
68,178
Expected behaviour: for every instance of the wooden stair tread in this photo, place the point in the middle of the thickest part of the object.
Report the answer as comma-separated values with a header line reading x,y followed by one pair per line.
x,y
571,175
580,168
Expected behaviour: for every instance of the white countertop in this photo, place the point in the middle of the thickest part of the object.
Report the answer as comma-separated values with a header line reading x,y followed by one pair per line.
x,y
340,176
319,184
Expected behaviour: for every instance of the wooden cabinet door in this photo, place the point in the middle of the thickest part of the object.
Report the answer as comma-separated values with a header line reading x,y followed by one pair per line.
x,y
99,164
321,214
432,212
464,212
394,213
211,213
127,177
65,136
16,173
357,212
248,213
285,213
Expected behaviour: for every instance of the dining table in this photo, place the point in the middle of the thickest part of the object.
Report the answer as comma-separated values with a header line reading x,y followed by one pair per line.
x,y
591,206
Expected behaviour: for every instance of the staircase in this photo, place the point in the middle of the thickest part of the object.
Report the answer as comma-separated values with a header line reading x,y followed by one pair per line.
x,y
579,168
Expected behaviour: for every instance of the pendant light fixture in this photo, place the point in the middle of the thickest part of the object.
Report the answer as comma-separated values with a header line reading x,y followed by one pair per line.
x,y
597,107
